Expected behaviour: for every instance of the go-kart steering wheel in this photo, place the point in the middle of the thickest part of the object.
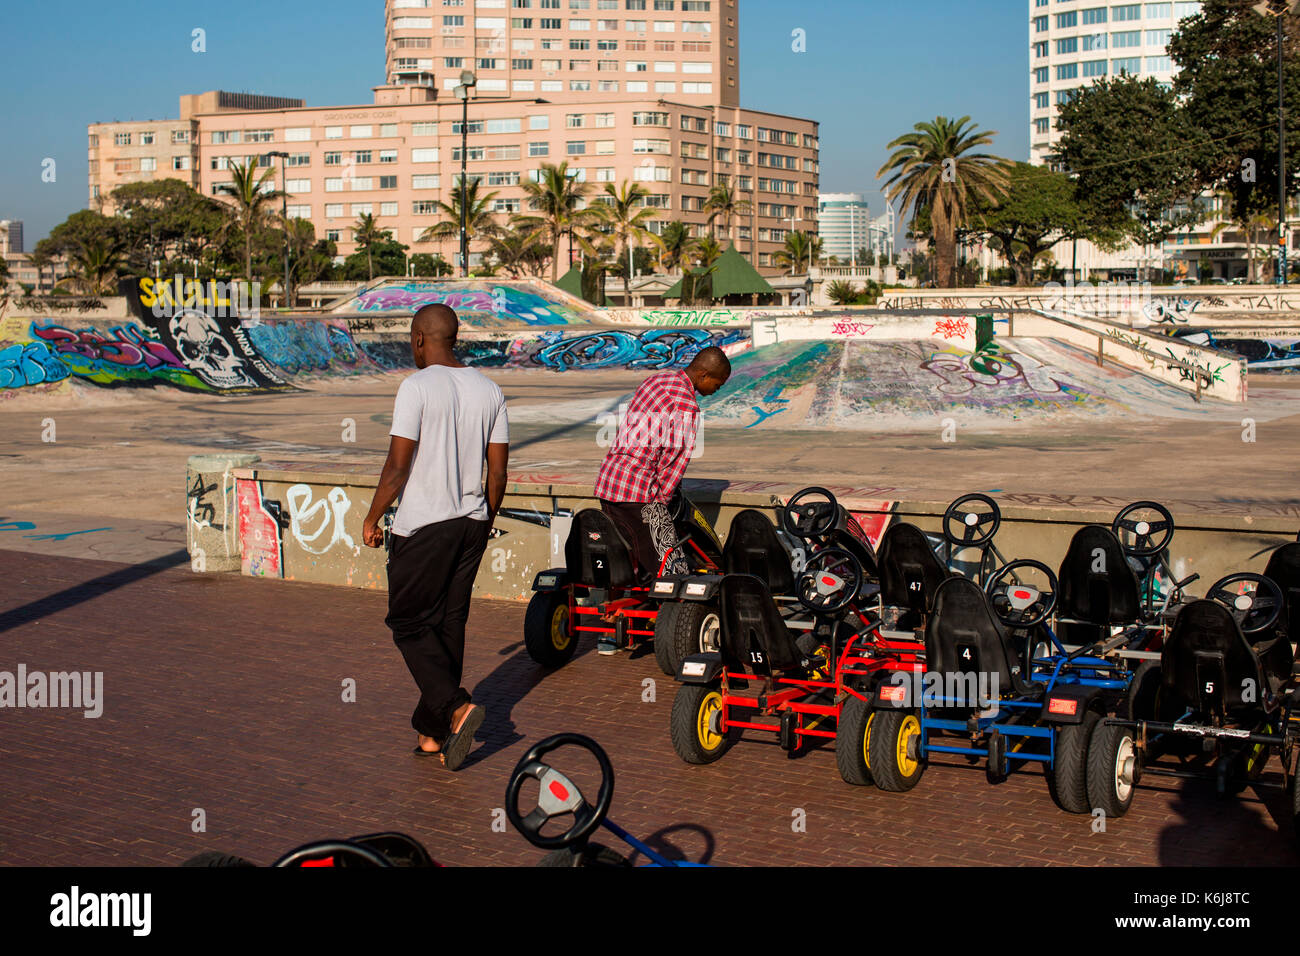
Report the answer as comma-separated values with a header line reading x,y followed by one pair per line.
x,y
1264,603
1021,605
829,581
558,794
810,519
344,853
1144,532
965,527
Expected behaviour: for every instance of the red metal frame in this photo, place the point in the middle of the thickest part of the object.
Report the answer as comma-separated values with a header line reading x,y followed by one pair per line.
x,y
863,655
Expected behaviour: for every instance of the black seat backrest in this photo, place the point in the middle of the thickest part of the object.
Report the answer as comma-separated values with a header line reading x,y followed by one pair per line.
x,y
1284,570
1097,583
855,541
909,571
597,553
964,637
1207,662
753,633
753,547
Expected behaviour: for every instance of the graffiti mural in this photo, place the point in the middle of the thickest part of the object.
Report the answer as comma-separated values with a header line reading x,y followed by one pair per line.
x,y
124,355
260,546
29,363
317,526
477,302
308,347
1261,355
614,348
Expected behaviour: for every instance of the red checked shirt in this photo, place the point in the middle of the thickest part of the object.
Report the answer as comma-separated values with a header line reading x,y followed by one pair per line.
x,y
655,438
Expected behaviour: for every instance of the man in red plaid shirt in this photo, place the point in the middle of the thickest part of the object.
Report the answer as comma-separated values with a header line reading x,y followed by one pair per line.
x,y
645,465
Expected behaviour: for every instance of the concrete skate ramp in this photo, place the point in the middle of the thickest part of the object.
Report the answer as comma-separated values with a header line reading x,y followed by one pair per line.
x,y
890,385
480,303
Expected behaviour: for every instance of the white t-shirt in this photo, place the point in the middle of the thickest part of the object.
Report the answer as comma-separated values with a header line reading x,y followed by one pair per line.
x,y
454,414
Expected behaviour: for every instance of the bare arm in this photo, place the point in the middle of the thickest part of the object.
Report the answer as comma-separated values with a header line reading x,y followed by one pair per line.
x,y
397,468
498,458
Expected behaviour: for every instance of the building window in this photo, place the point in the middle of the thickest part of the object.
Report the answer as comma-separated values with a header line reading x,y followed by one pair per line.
x,y
1067,71
180,162
424,181
293,186
1065,21
180,136
539,149
387,182
1130,11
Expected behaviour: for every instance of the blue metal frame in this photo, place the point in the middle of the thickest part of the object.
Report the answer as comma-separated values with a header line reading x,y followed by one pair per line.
x,y
1055,670
654,858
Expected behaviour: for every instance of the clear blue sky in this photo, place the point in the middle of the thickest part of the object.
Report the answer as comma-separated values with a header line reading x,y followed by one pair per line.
x,y
872,69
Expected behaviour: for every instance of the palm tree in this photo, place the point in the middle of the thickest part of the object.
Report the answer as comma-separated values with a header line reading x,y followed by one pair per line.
x,y
934,169
516,251
557,198
841,292
706,251
623,211
480,221
254,203
801,250
723,203
674,245
366,233
94,266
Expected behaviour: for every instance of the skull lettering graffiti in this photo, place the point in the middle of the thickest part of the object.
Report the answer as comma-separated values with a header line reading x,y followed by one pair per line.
x,y
207,353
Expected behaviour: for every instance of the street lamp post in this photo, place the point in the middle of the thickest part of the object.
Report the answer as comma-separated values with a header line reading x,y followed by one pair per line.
x,y
284,216
1279,9
467,82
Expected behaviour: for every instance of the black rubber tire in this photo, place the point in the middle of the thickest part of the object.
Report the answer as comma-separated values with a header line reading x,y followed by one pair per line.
x,y
1140,700
886,726
1103,751
853,742
537,629
1295,808
684,722
212,858
688,625
593,855
1067,781
665,621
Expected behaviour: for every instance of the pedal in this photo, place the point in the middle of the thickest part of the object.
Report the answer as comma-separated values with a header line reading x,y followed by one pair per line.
x,y
622,639
788,738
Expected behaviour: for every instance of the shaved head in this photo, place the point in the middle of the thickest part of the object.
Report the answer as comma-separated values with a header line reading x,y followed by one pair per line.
x,y
709,370
436,322
714,361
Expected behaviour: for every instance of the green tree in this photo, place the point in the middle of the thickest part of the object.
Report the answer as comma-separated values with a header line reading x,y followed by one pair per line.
x,y
556,199
627,217
254,202
367,234
165,219
480,221
934,166
723,203
385,257
427,266
674,245
41,257
1227,85
1126,144
1039,209
706,251
95,266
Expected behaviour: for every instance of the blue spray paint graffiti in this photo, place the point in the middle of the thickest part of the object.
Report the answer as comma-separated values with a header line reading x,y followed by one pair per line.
x,y
654,349
30,363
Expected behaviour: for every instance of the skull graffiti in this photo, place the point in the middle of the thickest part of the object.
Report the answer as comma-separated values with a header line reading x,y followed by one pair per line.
x,y
205,350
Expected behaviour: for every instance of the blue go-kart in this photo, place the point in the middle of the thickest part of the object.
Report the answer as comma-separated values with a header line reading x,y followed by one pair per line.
x,y
558,798
998,686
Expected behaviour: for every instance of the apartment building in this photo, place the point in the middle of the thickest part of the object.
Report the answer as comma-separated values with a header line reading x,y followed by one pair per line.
x,y
678,133
844,221
1073,43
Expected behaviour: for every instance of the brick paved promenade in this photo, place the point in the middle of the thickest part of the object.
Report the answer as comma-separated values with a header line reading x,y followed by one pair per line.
x,y
224,693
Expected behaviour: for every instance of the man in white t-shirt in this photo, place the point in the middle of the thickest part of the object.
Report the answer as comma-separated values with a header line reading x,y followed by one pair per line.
x,y
448,421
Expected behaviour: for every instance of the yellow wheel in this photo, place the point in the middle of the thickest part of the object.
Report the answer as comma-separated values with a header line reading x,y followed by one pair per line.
x,y
695,724
547,635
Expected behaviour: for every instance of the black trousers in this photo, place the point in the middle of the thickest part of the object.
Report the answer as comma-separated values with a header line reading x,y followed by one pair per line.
x,y
430,576
649,530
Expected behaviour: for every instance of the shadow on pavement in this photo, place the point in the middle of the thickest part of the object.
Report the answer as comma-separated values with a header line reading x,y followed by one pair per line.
x,y
88,591
659,842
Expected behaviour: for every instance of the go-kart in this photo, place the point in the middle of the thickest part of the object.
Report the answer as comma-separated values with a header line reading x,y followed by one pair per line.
x,y
772,675
811,520
1228,700
911,570
559,798
601,591
371,850
982,696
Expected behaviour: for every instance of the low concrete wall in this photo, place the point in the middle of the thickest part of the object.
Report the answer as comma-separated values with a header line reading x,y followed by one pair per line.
x,y
302,521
